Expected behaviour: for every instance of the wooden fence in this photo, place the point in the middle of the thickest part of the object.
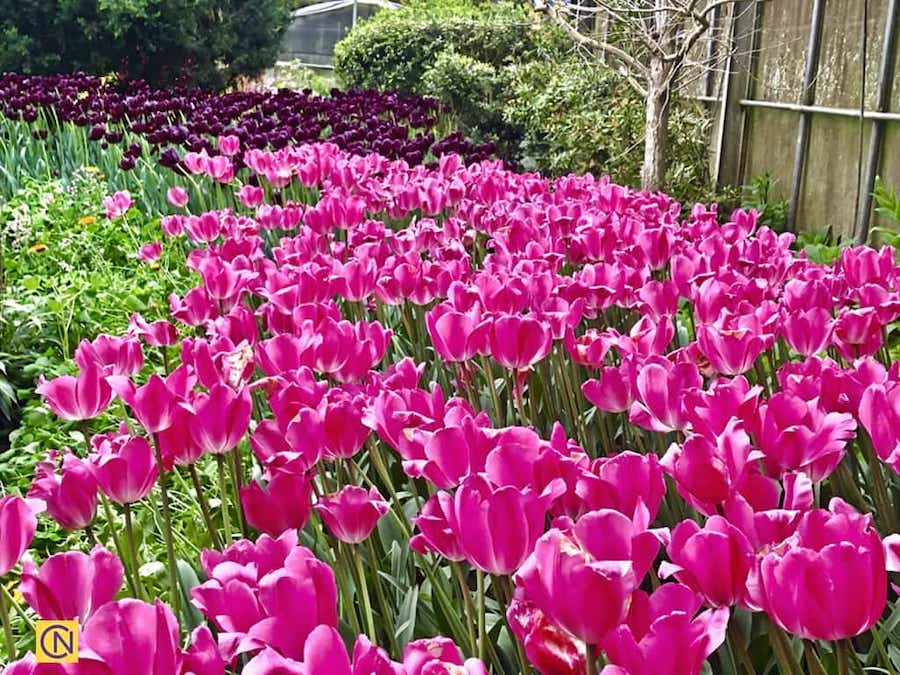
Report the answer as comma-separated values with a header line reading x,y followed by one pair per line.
x,y
806,91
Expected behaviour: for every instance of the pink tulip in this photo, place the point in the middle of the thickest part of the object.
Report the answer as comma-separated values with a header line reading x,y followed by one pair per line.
x,y
178,196
112,636
498,526
828,580
857,333
77,398
435,534
438,656
229,145
519,342
733,349
277,605
583,579
709,471
796,435
70,495
150,252
662,635
202,657
156,334
283,504
152,403
879,413
124,466
808,332
614,391
251,196
115,355
221,418
713,562
626,482
117,204
72,585
456,336
661,386
17,527
351,514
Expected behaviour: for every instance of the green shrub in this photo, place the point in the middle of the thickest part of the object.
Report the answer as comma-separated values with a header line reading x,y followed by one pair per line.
x,y
577,118
207,42
395,49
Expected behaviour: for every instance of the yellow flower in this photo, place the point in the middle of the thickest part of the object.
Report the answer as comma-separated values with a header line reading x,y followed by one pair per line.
x,y
154,266
86,220
92,169
38,248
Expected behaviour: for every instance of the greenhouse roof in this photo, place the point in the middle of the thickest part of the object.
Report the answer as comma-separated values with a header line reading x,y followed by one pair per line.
x,y
332,5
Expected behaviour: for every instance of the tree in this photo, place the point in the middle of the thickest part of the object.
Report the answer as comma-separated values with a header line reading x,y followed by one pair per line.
x,y
205,42
648,41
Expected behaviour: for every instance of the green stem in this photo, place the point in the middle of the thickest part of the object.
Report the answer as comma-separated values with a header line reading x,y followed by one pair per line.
x,y
16,606
237,476
204,507
167,527
364,592
223,496
782,648
386,614
482,637
136,564
843,656
7,629
590,659
110,523
467,603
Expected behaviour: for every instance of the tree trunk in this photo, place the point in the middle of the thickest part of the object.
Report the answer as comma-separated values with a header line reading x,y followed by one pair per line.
x,y
656,126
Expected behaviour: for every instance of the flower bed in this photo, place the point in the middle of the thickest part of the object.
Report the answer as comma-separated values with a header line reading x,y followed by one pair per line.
x,y
549,421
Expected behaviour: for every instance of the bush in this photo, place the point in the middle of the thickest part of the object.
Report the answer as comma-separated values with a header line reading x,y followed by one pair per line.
x,y
395,49
208,42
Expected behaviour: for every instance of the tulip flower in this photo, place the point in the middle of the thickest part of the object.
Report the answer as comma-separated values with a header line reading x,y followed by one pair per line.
x,y
71,495
626,482
661,386
663,637
124,466
351,514
221,418
549,648
177,196
72,585
114,640
150,252
713,561
879,413
438,656
518,342
583,579
17,527
796,435
115,355
152,403
77,398
117,204
828,580
709,471
498,526
283,504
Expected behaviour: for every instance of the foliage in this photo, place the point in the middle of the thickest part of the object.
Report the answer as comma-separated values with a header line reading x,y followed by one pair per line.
x,y
209,42
394,49
887,205
579,118
758,195
70,273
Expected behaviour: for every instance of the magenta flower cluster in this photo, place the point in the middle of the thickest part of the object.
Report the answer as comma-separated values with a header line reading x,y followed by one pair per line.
x,y
636,422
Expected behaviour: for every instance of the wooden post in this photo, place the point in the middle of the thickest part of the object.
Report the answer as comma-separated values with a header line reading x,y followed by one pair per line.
x,y
745,19
876,138
808,98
